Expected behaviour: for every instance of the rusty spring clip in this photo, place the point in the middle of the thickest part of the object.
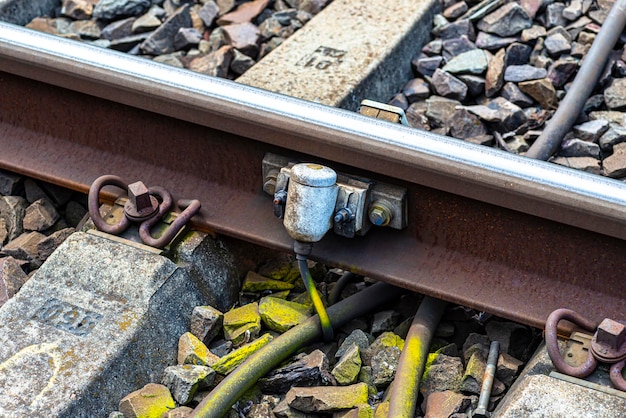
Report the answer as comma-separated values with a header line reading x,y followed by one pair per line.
x,y
608,345
142,207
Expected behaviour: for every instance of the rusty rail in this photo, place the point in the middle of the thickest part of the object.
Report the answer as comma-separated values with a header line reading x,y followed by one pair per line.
x,y
483,227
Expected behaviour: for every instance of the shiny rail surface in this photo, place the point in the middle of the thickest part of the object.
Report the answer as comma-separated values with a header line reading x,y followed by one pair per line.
x,y
494,231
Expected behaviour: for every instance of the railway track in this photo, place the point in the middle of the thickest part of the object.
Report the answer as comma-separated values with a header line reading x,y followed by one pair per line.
x,y
489,230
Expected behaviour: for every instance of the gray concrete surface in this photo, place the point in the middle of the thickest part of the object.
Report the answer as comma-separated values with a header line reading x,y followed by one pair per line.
x,y
350,51
537,395
98,320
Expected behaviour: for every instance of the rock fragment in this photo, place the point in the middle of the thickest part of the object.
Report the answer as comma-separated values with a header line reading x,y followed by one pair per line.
x,y
588,164
24,248
13,210
215,64
615,95
255,282
206,323
77,9
245,12
12,277
470,62
192,351
507,20
615,165
445,404
327,399
244,37
348,367
242,324
281,315
591,131
40,215
310,370
10,183
152,400
161,41
184,380
542,91
448,86
115,9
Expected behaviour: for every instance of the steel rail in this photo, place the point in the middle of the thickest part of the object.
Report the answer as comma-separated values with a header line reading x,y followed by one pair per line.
x,y
417,156
71,112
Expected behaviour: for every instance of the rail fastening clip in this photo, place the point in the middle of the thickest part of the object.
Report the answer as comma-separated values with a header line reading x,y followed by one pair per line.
x,y
608,345
145,206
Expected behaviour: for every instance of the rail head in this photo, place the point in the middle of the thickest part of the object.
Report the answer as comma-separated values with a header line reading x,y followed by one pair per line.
x,y
535,187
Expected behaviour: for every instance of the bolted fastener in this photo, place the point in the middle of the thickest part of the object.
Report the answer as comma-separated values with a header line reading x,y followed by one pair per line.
x,y
379,213
611,333
140,205
269,184
343,215
608,342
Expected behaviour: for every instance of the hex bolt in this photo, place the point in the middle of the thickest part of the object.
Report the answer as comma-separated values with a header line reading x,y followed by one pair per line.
x,y
611,333
139,195
269,186
141,205
342,215
379,213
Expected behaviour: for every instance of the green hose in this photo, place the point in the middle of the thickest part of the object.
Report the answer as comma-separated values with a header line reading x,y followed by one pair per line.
x,y
218,402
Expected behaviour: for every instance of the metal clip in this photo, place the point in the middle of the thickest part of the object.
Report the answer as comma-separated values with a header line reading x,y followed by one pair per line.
x,y
143,207
608,346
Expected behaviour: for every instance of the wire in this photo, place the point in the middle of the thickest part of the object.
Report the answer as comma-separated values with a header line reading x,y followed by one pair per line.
x,y
327,327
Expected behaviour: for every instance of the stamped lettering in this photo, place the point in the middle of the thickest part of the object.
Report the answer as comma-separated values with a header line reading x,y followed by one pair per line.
x,y
67,317
322,58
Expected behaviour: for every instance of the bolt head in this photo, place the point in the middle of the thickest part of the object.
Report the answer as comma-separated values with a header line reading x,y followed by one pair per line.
x,y
611,333
379,215
269,186
139,195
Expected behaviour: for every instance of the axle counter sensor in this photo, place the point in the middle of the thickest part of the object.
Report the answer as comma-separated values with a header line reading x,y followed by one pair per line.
x,y
313,199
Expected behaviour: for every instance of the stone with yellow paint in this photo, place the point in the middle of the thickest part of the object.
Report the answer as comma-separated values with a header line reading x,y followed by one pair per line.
x,y
366,376
281,315
327,398
183,381
193,351
151,401
347,369
281,268
242,324
361,411
254,282
386,339
228,363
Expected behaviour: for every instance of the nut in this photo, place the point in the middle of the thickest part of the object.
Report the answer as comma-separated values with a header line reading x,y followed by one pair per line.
x,y
139,196
140,205
611,333
379,213
269,185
